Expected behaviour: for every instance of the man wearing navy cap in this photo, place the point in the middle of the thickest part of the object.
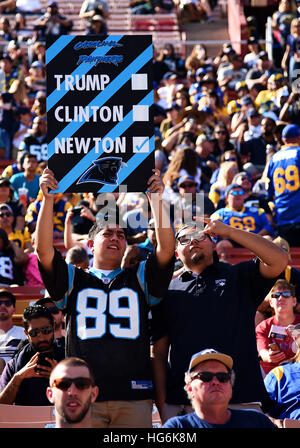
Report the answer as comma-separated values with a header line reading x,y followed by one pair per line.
x,y
52,24
283,185
208,383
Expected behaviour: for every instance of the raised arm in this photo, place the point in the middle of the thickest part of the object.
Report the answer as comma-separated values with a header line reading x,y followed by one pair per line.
x,y
44,226
163,228
273,260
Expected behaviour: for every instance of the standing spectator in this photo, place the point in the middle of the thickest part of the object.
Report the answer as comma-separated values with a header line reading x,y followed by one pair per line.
x,y
96,336
274,345
27,179
35,141
71,381
10,334
212,303
25,378
52,24
208,383
283,185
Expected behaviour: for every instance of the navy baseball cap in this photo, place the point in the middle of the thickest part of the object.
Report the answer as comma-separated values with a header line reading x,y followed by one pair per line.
x,y
200,71
231,187
290,131
252,113
183,179
246,100
210,354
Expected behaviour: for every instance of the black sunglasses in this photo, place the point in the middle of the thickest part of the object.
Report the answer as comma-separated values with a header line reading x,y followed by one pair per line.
x,y
44,330
6,302
284,294
192,184
7,214
65,383
206,377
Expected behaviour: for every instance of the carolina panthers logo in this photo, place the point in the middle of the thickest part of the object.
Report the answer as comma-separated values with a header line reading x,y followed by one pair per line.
x,y
103,171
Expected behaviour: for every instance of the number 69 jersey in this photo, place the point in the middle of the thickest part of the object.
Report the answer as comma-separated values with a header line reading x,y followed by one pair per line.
x,y
283,184
107,321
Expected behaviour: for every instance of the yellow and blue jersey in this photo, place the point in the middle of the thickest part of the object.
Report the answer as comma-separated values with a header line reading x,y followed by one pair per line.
x,y
20,237
251,219
10,170
283,184
60,210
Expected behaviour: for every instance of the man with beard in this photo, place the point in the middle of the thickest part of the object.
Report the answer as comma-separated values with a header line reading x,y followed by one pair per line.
x,y
58,317
10,334
72,391
25,378
35,141
212,303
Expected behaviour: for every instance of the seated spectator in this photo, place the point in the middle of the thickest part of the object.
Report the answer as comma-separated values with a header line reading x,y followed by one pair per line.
x,y
163,6
35,141
6,32
25,378
184,133
226,174
10,334
172,112
175,63
253,126
208,383
39,106
21,238
135,253
141,7
274,344
19,91
7,197
228,156
233,74
91,8
11,73
10,170
196,59
97,25
52,24
60,209
27,179
58,318
21,30
222,142
191,11
282,384
22,125
250,59
36,79
12,259
72,377
236,214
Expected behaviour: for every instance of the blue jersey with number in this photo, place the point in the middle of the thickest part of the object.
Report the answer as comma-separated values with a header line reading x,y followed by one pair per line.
x,y
283,184
107,321
251,219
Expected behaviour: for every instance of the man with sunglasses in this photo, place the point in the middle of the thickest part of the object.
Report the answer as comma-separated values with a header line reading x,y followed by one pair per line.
x,y
25,377
58,317
274,344
212,303
208,383
72,390
10,334
236,214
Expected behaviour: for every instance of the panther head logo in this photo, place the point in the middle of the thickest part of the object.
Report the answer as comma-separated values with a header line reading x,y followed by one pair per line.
x,y
103,171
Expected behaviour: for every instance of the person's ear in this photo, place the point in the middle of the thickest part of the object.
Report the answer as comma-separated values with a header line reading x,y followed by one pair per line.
x,y
90,245
95,392
49,394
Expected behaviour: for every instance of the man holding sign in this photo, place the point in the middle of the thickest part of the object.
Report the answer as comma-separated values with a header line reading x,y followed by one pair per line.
x,y
107,308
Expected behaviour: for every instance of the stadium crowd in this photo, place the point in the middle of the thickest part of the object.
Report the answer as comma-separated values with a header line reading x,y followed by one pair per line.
x,y
227,154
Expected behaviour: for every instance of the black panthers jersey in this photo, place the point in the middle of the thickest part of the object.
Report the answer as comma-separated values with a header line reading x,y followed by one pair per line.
x,y
36,146
107,322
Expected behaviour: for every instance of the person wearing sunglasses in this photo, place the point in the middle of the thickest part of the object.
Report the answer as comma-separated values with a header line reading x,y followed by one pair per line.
x,y
274,345
25,377
236,214
212,303
58,317
208,383
72,390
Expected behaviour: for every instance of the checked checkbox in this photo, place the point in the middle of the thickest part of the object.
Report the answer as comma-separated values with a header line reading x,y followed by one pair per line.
x,y
140,144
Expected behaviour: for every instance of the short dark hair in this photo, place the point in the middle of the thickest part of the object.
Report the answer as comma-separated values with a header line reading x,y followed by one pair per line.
x,y
8,295
284,284
35,312
77,362
97,227
44,300
28,155
76,255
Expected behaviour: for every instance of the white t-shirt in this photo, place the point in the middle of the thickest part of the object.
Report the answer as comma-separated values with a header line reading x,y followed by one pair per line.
x,y
9,342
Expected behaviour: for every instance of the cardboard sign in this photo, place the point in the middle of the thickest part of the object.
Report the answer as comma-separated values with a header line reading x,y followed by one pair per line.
x,y
99,97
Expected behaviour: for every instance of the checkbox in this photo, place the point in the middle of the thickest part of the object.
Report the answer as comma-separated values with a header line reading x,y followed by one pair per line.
x,y
140,144
139,81
140,113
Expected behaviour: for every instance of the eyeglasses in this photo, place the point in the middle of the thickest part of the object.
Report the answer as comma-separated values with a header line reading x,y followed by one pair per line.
x,y
184,240
221,132
6,302
244,178
237,193
5,214
284,294
65,383
188,185
36,331
231,159
206,377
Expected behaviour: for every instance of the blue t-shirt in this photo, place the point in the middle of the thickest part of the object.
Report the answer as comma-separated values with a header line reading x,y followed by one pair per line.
x,y
18,181
239,419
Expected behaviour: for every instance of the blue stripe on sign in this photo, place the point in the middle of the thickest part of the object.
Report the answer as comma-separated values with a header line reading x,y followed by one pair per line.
x,y
132,164
103,96
57,47
82,69
86,161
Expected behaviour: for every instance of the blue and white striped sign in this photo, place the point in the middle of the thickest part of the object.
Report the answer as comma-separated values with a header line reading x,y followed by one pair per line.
x,y
100,124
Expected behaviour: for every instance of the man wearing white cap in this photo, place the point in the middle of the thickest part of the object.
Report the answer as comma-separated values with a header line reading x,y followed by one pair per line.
x,y
208,383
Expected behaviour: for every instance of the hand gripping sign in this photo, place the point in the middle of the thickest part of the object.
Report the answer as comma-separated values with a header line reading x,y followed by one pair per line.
x,y
100,125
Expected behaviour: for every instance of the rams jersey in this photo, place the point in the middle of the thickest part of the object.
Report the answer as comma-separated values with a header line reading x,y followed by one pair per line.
x,y
251,219
10,170
20,237
283,184
60,210
107,321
